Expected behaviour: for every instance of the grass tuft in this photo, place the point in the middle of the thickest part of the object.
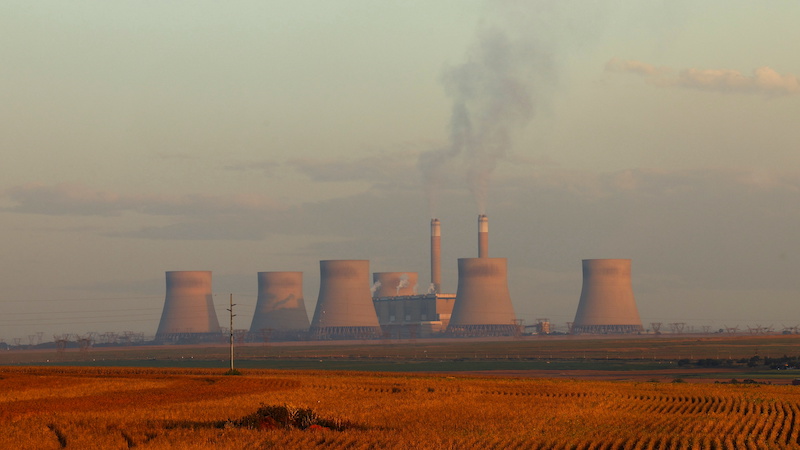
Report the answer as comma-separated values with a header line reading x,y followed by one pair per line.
x,y
270,417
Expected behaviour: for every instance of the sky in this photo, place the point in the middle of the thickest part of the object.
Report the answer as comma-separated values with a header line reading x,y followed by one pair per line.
x,y
247,136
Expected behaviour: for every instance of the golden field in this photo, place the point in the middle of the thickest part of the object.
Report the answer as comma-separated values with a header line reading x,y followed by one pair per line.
x,y
89,408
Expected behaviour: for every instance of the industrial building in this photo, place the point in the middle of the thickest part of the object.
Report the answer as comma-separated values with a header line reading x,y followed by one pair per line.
x,y
349,307
402,313
481,307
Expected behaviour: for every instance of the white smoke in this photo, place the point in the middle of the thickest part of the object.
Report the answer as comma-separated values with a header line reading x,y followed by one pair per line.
x,y
493,94
375,287
403,283
431,288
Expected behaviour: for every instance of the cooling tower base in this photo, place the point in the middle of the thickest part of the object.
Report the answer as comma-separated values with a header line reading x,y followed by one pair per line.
x,y
188,338
273,335
484,330
607,329
321,333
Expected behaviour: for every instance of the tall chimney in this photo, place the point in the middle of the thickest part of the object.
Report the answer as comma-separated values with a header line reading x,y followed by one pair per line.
x,y
483,236
436,255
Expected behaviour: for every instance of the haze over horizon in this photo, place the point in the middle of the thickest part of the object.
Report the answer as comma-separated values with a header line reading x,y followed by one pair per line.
x,y
251,136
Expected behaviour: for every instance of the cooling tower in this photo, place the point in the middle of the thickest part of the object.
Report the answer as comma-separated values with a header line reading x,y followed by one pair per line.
x,y
188,306
483,236
344,306
607,304
394,284
436,256
280,306
483,303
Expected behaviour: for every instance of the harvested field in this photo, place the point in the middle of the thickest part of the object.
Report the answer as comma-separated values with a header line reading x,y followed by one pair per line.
x,y
200,408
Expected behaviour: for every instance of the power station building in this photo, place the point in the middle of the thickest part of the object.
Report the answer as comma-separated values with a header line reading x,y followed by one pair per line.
x,y
607,304
481,307
402,313
348,308
188,313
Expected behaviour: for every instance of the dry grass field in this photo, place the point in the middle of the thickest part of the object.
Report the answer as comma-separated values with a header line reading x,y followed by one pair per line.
x,y
88,408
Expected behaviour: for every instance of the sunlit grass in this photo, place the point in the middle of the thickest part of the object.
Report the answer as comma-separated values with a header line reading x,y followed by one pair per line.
x,y
203,408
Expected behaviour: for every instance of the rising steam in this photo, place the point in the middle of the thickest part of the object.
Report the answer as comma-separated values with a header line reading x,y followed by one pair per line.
x,y
403,283
375,286
492,95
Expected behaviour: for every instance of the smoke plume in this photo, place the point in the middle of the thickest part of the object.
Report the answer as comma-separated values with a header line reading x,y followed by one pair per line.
x,y
375,286
493,94
403,283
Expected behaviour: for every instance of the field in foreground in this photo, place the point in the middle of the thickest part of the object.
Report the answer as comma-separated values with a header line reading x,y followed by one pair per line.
x,y
202,408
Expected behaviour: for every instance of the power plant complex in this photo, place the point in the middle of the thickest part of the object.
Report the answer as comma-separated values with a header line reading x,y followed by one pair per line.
x,y
350,306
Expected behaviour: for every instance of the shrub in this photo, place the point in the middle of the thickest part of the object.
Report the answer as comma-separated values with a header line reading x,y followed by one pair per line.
x,y
270,417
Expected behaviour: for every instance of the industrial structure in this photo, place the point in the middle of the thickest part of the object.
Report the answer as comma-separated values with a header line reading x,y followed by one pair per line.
x,y
607,304
348,308
436,256
188,313
483,236
483,302
280,308
344,306
404,314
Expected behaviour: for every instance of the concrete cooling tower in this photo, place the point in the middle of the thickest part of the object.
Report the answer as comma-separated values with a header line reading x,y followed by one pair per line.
x,y
280,306
188,307
344,306
394,284
607,304
483,303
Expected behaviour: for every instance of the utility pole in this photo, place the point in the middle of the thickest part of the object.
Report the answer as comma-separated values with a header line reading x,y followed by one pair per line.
x,y
231,330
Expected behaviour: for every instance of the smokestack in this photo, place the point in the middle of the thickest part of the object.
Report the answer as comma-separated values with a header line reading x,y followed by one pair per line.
x,y
344,306
188,305
607,304
394,284
483,236
436,255
280,304
483,303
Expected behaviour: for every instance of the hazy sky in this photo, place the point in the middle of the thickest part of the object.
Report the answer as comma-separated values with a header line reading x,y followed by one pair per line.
x,y
246,136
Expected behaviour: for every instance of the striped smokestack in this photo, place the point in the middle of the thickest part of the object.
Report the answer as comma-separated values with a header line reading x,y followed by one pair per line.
x,y
436,255
483,236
